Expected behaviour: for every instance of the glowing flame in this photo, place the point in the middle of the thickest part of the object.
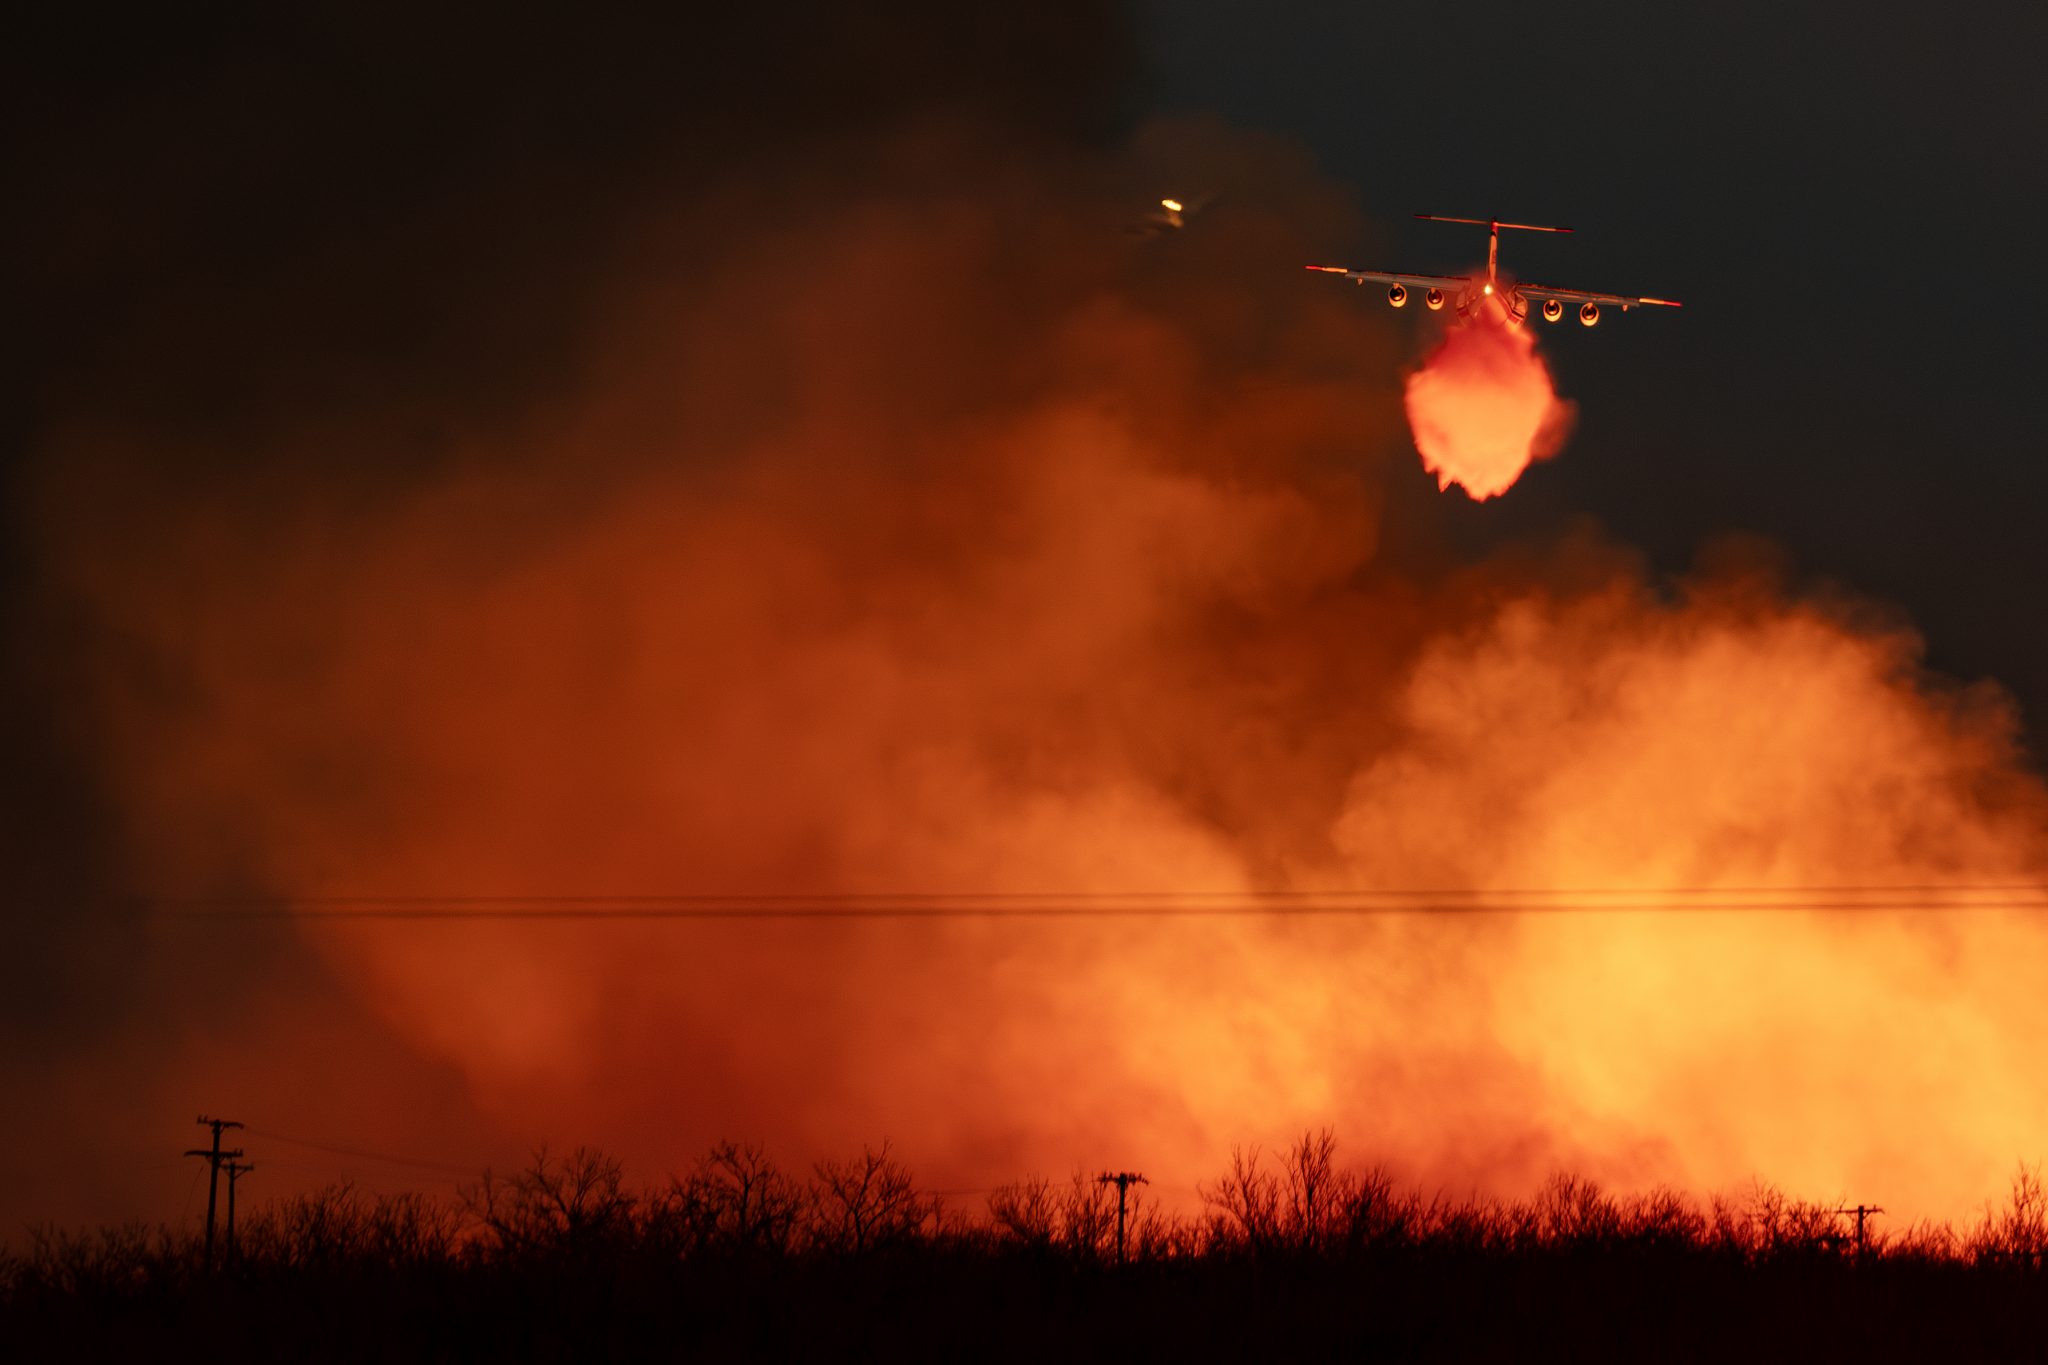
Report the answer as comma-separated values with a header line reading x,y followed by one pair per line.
x,y
1482,408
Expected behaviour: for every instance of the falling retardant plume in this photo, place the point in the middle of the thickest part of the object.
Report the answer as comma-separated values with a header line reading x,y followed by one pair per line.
x,y
1482,406
901,528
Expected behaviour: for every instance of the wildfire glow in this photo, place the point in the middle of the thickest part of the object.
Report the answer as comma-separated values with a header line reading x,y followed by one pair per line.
x,y
1482,407
1074,604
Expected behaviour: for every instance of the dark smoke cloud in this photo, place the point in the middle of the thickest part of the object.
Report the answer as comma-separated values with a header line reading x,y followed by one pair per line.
x,y
283,261
250,215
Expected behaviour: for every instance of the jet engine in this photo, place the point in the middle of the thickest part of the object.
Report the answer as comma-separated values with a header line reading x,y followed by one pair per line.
x,y
1552,310
1435,299
1589,313
1398,296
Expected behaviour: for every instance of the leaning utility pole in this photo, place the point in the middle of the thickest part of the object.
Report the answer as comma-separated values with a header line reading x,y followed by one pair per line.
x,y
236,1170
214,1157
1862,1211
1123,1180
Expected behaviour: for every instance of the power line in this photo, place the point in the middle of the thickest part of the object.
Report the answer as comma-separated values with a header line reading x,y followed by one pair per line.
x,y
191,1192
1060,894
375,1179
363,1154
1272,904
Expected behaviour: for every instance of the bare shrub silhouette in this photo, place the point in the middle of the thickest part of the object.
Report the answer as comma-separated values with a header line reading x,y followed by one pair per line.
x,y
1027,1213
1244,1206
735,1258
1316,1196
102,1263
342,1224
734,1200
1078,1220
2016,1234
321,1228
1376,1215
1309,1204
1571,1211
572,1203
1924,1243
868,1200
1764,1222
1663,1219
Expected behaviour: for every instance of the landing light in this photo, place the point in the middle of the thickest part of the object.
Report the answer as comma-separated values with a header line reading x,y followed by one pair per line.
x,y
1170,205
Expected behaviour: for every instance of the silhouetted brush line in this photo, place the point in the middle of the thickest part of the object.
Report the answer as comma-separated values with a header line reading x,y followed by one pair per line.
x,y
737,1258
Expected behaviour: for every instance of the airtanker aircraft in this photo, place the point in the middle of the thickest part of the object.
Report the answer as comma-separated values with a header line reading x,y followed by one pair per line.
x,y
1513,297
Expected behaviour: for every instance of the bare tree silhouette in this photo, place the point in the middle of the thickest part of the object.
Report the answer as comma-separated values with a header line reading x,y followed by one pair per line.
x,y
1316,1195
569,1203
1078,1218
734,1200
340,1224
1245,1204
2018,1233
869,1199
736,1259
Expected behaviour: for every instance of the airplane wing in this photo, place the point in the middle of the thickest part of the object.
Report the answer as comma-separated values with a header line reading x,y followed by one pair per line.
x,y
1382,277
1540,292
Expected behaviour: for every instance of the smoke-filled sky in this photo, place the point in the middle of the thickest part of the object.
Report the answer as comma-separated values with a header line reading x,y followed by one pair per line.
x,y
621,454
1845,203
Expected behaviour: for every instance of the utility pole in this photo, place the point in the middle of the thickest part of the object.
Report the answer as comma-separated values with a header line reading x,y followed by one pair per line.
x,y
1862,1211
214,1157
1123,1180
236,1170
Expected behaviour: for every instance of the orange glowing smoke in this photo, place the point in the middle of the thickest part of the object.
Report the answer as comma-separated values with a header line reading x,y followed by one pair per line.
x,y
1482,407
829,585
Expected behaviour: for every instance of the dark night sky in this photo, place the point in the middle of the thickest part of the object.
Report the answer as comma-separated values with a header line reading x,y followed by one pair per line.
x,y
1847,198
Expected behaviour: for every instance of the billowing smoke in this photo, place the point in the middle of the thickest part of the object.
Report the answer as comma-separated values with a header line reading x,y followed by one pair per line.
x,y
1482,406
911,530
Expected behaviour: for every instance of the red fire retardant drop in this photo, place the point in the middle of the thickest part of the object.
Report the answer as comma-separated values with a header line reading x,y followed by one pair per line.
x,y
1482,408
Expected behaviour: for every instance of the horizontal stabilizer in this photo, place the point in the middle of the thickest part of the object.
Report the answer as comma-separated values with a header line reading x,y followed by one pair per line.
x,y
1489,223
